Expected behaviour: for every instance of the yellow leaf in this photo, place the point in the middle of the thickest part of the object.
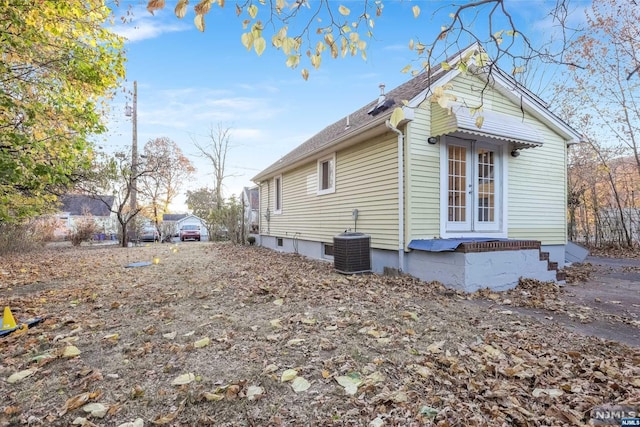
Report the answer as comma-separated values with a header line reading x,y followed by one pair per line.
x,y
184,379
111,337
350,384
436,347
344,10
70,351
18,376
259,45
199,22
410,315
479,121
397,116
416,11
212,397
254,392
288,375
275,323
406,69
292,62
247,40
445,65
289,44
252,11
423,371
299,384
202,343
269,369
325,374
315,61
295,341
278,301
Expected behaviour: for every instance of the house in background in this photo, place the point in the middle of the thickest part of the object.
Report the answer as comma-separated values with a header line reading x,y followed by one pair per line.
x,y
174,222
76,208
468,189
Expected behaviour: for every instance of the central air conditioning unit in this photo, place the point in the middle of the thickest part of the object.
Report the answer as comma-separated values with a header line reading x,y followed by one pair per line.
x,y
352,253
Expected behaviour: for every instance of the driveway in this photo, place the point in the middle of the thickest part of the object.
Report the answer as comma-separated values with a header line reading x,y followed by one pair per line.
x,y
606,305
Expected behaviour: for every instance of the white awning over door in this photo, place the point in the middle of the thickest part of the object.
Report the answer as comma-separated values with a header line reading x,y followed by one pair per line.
x,y
494,125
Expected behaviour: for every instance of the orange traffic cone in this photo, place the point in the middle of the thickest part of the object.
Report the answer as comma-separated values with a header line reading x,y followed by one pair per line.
x,y
8,322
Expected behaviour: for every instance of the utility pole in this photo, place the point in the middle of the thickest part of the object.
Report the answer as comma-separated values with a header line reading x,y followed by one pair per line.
x,y
134,148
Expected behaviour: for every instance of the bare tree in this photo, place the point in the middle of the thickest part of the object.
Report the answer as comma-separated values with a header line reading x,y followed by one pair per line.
x,y
162,187
601,98
115,176
216,151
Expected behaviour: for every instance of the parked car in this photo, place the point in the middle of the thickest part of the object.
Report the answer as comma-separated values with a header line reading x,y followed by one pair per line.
x,y
190,232
149,234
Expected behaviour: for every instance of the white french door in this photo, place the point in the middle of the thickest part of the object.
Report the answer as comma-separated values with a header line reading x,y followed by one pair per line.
x,y
473,179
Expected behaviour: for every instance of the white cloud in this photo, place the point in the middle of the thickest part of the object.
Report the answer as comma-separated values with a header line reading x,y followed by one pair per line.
x,y
140,25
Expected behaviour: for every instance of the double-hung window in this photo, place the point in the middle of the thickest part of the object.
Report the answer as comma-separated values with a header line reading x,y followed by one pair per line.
x,y
327,175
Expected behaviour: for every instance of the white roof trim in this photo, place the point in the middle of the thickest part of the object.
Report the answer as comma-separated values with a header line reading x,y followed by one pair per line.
x,y
495,125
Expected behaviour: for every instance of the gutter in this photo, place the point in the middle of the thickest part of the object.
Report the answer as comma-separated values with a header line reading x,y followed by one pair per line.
x,y
400,194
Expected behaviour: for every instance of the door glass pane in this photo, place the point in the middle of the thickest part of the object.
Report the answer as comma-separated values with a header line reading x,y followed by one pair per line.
x,y
486,186
457,183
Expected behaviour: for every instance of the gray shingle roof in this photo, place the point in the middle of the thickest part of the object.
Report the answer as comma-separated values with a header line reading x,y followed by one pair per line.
x,y
173,217
357,120
77,204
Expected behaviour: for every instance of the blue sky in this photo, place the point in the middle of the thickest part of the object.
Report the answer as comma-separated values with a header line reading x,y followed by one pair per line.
x,y
189,82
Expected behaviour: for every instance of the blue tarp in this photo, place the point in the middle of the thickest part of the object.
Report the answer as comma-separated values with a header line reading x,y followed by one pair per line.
x,y
138,264
447,245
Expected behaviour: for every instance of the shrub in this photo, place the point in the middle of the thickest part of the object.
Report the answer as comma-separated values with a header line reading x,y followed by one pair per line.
x,y
83,231
25,237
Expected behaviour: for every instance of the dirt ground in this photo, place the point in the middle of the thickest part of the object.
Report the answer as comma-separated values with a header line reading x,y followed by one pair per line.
x,y
223,335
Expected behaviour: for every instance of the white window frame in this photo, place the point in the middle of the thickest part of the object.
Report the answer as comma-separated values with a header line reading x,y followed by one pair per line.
x,y
332,161
277,194
501,183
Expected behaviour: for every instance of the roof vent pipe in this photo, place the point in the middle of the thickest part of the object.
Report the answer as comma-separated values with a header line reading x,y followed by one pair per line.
x,y
381,97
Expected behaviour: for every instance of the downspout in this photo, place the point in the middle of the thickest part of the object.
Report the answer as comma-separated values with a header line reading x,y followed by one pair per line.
x,y
400,194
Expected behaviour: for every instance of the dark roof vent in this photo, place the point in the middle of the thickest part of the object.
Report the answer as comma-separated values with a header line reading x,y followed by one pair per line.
x,y
383,103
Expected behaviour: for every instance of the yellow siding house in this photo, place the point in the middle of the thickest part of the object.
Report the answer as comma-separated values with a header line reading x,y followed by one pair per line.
x,y
467,186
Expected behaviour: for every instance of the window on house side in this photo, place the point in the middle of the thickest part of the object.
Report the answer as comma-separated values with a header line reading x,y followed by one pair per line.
x,y
327,249
327,175
277,203
279,242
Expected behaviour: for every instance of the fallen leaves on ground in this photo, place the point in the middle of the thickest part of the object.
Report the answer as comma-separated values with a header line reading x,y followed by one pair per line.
x,y
218,334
